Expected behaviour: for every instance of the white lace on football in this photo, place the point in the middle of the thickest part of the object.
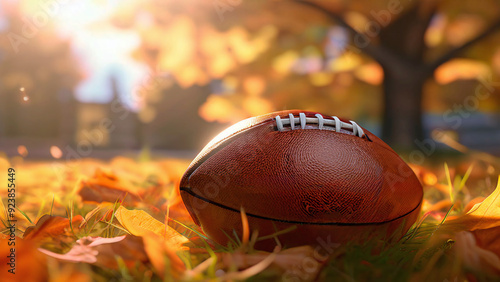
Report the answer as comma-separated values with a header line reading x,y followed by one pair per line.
x,y
302,120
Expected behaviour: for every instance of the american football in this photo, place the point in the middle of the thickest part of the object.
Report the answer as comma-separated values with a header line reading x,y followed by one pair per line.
x,y
318,177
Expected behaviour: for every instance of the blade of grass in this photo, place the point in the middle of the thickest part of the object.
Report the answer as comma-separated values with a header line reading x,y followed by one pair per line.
x,y
52,205
211,268
233,242
448,178
40,210
115,208
236,238
121,228
191,229
168,265
246,228
122,267
184,256
71,216
442,221
289,229
198,270
466,176
25,215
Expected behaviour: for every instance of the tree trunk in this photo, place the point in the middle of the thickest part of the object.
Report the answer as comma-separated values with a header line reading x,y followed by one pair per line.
x,y
402,119
400,52
404,77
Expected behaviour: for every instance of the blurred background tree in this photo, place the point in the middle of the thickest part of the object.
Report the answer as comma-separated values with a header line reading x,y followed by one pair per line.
x,y
171,74
38,73
371,60
400,40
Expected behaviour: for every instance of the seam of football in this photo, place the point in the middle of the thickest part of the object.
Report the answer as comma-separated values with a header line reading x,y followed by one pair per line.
x,y
318,120
335,123
189,191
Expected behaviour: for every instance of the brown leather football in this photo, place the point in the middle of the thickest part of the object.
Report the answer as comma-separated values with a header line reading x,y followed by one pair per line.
x,y
331,179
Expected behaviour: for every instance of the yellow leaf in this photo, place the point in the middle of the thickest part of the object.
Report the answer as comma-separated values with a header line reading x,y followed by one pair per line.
x,y
140,223
482,216
160,242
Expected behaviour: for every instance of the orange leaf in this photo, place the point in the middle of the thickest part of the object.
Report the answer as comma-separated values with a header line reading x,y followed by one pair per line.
x,y
107,187
49,226
161,253
30,265
489,239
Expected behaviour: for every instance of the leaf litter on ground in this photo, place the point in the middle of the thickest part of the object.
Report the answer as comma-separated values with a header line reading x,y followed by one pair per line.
x,y
125,219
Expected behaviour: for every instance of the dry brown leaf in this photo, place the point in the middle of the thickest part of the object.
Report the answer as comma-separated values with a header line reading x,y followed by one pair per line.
x,y
107,187
52,227
489,239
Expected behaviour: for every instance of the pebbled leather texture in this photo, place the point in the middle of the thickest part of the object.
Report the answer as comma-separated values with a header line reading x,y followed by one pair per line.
x,y
321,180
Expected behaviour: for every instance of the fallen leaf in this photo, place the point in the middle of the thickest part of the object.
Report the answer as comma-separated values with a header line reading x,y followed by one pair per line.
x,y
52,227
30,265
483,215
107,187
474,256
140,223
82,251
162,254
103,212
161,242
103,251
470,205
489,239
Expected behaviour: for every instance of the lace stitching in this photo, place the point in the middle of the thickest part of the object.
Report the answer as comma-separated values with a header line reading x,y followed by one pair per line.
x,y
335,122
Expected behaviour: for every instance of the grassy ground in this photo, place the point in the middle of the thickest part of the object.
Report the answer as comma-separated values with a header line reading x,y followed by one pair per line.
x,y
123,220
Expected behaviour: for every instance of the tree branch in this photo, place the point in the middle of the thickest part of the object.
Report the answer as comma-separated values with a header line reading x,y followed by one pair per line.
x,y
456,51
378,53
